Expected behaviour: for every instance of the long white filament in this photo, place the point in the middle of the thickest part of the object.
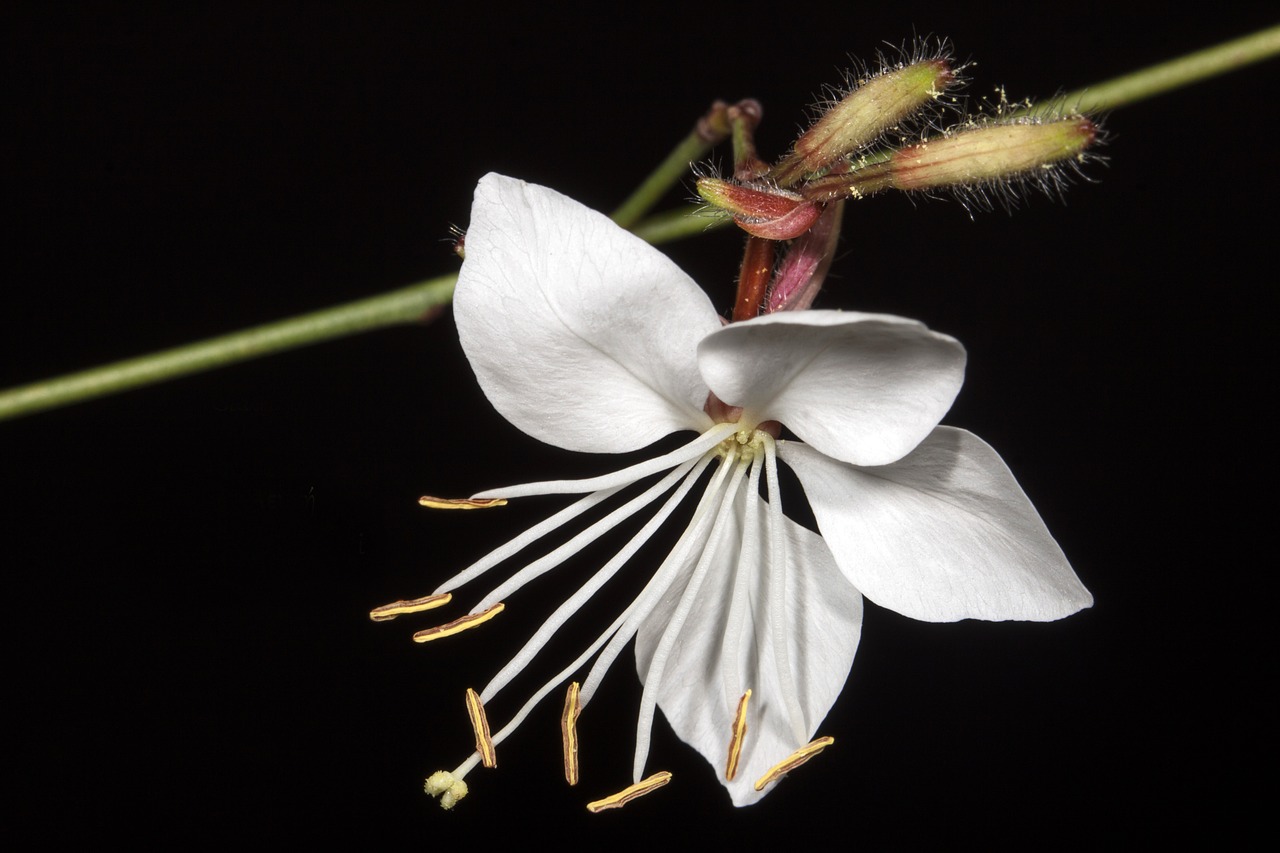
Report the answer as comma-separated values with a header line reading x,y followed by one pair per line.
x,y
644,605
519,543
601,577
544,564
640,470
778,616
658,664
750,551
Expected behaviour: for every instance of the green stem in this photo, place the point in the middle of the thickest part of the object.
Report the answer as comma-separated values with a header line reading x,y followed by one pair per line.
x,y
416,303
419,302
1174,74
669,171
672,225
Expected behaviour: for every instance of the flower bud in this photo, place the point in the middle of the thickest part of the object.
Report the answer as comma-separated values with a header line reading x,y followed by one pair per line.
x,y
761,210
991,153
971,157
859,118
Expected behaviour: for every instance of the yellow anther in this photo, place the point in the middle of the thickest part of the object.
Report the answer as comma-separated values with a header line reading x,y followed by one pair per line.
x,y
480,724
460,503
387,612
639,789
569,733
794,760
739,733
448,629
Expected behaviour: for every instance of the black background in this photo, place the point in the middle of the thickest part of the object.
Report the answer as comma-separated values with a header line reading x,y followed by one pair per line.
x,y
188,568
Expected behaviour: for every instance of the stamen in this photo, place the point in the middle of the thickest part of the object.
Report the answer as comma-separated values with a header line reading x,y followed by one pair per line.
x,y
744,573
626,476
555,681
459,503
739,733
694,535
626,795
387,612
777,582
615,517
569,733
480,724
794,760
522,541
448,629
655,588
675,623
548,629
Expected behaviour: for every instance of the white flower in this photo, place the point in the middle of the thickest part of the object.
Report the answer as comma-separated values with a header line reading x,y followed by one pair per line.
x,y
587,338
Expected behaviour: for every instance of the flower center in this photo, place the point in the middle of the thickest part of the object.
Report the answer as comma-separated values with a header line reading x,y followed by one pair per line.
x,y
747,442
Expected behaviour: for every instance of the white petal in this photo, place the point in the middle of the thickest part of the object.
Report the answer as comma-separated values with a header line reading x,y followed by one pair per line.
x,y
824,615
581,334
943,534
862,388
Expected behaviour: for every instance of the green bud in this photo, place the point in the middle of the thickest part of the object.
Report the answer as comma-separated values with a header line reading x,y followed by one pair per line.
x,y
989,154
980,155
861,116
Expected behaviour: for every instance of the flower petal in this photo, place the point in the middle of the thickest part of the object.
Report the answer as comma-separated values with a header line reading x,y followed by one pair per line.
x,y
581,334
824,624
943,534
861,388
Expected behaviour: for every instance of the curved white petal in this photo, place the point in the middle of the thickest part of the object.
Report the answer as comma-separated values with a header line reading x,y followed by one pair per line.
x,y
824,624
862,388
581,334
941,535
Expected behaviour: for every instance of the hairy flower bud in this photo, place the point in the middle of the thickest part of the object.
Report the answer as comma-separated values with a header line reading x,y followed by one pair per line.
x,y
975,156
991,153
761,210
861,116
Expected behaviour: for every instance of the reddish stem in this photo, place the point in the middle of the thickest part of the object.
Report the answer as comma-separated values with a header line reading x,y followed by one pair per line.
x,y
753,278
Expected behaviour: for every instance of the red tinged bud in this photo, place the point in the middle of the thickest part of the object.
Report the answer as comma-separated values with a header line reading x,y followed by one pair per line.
x,y
761,210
